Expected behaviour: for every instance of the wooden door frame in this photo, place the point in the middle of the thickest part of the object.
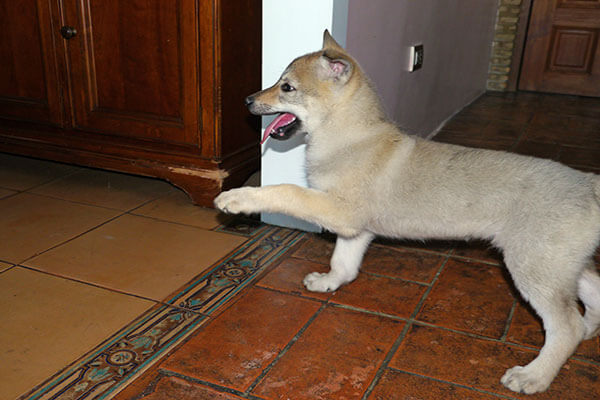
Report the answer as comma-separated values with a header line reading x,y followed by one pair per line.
x,y
519,45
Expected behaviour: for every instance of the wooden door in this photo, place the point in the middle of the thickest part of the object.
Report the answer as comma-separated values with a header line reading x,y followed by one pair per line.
x,y
562,53
134,68
29,83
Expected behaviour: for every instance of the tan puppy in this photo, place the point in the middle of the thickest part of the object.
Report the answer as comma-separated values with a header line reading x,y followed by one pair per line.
x,y
368,178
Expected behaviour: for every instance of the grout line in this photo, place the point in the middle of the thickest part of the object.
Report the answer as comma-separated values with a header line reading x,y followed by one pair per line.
x,y
511,314
365,311
395,278
470,334
454,384
98,286
72,238
477,260
81,203
105,222
296,294
211,385
285,349
404,333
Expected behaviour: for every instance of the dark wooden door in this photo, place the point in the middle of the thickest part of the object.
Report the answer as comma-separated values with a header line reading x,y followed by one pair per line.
x,y
29,83
562,53
134,68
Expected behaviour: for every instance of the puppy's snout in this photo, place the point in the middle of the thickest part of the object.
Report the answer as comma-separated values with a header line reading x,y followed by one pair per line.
x,y
249,100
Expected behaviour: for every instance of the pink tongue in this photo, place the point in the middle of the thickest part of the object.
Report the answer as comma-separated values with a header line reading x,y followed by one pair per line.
x,y
281,120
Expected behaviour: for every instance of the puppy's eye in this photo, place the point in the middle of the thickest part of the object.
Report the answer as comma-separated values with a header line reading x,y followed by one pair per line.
x,y
286,87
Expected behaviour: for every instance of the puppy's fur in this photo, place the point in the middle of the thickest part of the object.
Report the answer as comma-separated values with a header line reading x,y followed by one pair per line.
x,y
368,178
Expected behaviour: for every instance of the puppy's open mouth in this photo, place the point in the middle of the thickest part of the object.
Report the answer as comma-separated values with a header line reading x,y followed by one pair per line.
x,y
282,127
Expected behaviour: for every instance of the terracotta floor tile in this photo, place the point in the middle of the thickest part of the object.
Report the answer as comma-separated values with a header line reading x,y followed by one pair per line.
x,y
538,149
397,385
380,294
470,140
566,130
233,349
481,363
22,173
465,125
509,130
158,386
402,263
105,189
501,110
177,207
478,250
317,248
545,125
49,322
30,224
429,245
288,276
575,157
526,328
138,255
571,105
335,358
470,297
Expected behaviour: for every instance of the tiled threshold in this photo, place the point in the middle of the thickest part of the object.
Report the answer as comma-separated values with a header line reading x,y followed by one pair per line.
x,y
134,348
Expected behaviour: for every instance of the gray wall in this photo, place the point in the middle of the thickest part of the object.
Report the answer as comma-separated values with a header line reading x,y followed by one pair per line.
x,y
457,37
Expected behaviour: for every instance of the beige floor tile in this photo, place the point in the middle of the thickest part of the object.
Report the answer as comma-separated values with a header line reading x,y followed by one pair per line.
x,y
49,322
6,193
4,266
22,173
177,207
30,224
106,189
138,255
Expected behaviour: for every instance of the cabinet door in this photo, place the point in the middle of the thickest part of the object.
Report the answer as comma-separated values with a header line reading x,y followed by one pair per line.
x,y
134,68
29,84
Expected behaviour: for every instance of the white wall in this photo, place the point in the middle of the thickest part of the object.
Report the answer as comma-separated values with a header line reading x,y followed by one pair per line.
x,y
457,35
292,28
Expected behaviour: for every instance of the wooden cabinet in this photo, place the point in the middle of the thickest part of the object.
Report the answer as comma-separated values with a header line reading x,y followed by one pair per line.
x,y
152,87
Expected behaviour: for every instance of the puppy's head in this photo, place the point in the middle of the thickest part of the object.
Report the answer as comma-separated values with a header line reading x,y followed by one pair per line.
x,y
309,88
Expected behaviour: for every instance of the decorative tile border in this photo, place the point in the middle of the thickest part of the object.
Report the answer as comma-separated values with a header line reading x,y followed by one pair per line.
x,y
109,367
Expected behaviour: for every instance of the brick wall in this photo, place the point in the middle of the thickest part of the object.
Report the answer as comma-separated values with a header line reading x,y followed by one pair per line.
x,y
503,45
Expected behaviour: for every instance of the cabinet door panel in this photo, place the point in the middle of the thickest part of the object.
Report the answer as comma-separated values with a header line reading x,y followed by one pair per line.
x,y
28,72
134,68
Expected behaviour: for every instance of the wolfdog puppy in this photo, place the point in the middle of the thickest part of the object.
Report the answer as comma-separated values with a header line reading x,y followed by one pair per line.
x,y
368,178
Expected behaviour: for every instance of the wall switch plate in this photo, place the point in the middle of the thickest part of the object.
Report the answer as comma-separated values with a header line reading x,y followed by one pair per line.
x,y
415,58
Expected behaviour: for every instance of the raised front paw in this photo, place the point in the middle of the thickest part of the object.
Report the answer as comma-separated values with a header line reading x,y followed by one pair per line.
x,y
525,380
235,201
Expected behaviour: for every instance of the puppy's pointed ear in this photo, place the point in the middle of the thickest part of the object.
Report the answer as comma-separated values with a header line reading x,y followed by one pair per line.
x,y
330,43
335,66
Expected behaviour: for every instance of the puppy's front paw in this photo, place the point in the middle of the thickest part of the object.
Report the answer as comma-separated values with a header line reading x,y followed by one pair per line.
x,y
235,201
319,282
525,380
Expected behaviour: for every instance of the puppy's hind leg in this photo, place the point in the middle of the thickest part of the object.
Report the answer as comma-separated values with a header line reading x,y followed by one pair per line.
x,y
589,294
345,263
552,291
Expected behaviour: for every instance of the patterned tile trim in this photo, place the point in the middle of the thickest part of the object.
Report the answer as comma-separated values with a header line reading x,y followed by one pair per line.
x,y
102,372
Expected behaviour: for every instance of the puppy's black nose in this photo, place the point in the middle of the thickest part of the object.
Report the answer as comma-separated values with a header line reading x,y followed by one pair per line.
x,y
249,100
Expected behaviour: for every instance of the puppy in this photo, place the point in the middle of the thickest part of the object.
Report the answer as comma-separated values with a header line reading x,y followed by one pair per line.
x,y
368,178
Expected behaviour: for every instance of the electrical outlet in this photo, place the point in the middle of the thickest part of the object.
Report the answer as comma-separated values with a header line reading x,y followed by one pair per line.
x,y
415,58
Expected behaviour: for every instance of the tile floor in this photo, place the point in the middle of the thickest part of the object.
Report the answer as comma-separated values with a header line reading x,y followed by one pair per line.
x,y
114,285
